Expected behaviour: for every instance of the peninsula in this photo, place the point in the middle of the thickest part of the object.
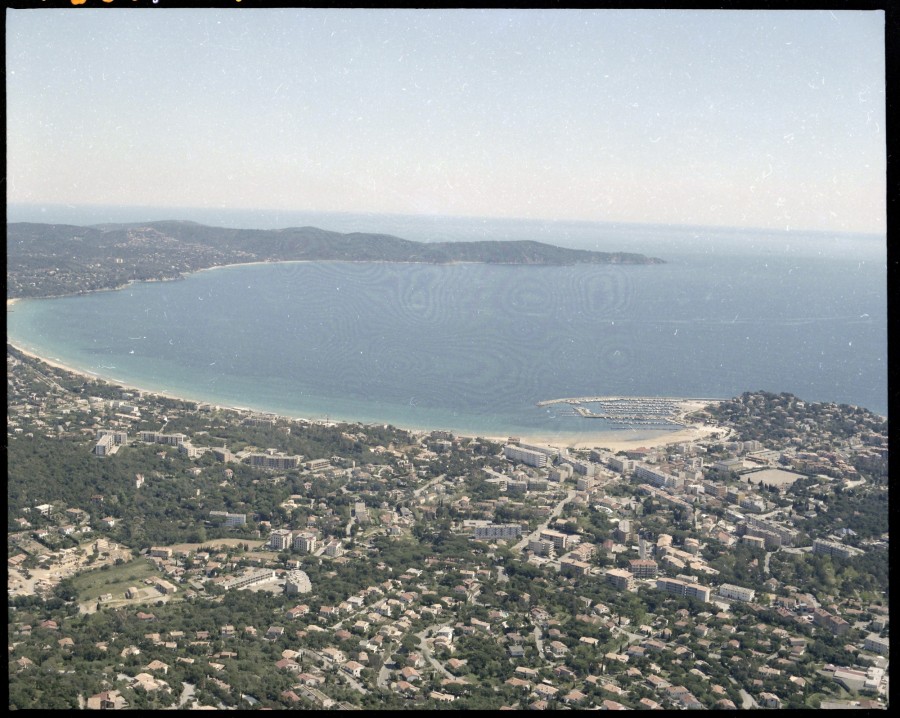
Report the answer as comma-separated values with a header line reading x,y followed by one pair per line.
x,y
56,259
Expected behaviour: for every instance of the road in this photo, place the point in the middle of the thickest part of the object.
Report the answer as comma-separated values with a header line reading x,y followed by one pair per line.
x,y
187,694
538,642
425,487
383,675
356,685
426,651
557,510
747,701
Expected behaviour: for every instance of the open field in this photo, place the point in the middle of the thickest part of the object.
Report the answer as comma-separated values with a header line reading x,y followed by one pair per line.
x,y
214,543
774,477
115,579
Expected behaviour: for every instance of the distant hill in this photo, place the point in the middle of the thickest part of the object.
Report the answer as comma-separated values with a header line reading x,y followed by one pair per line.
x,y
54,259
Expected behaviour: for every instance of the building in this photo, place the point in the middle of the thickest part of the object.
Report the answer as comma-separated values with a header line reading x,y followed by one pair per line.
x,y
578,568
726,465
622,531
222,454
305,542
683,588
658,478
228,519
107,701
585,483
540,547
561,473
156,437
272,459
559,540
877,644
120,438
771,539
755,541
297,582
104,445
583,468
529,457
193,452
317,464
737,593
108,441
837,625
164,587
788,536
831,548
280,539
620,578
249,578
643,568
498,531
620,465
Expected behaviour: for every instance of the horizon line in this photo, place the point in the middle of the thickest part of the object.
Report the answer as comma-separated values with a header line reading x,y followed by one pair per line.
x,y
610,222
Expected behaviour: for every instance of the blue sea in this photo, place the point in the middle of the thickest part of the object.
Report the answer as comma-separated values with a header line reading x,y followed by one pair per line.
x,y
473,348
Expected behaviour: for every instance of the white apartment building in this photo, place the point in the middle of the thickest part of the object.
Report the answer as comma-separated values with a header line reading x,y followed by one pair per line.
x,y
737,593
280,539
297,582
529,457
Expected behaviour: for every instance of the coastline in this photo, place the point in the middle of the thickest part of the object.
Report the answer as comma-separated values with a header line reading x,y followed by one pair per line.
x,y
610,440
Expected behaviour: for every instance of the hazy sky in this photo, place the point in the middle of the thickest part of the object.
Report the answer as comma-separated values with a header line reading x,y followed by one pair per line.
x,y
738,118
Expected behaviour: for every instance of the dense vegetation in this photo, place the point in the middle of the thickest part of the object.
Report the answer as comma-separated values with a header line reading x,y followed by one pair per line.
x,y
53,259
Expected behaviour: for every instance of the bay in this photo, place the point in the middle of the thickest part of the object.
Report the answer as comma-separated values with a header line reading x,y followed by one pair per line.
x,y
473,348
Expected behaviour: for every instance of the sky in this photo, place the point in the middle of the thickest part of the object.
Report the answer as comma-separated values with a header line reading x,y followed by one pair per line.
x,y
772,119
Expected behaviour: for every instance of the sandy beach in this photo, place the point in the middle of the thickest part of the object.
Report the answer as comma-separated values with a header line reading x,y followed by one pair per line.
x,y
624,439
620,440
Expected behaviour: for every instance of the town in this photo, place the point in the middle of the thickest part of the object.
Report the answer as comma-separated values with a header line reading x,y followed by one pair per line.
x,y
165,553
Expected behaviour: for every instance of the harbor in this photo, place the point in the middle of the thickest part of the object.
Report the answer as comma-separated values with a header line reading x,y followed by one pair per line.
x,y
644,411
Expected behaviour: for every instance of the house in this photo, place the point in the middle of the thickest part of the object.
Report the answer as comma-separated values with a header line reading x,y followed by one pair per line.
x,y
406,688
557,649
353,668
690,702
410,674
107,700
149,683
519,683
157,666
333,654
288,664
274,633
770,700
609,705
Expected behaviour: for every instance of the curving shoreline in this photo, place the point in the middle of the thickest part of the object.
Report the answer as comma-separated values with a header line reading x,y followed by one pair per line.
x,y
613,440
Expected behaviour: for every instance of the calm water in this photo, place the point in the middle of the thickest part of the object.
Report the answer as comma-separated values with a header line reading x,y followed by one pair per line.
x,y
474,347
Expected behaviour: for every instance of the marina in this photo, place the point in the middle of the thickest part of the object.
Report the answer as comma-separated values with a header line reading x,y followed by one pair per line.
x,y
630,411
